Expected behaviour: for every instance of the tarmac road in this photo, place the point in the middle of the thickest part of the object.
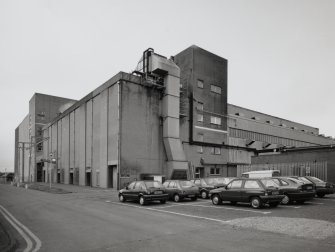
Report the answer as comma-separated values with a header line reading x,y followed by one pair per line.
x,y
94,220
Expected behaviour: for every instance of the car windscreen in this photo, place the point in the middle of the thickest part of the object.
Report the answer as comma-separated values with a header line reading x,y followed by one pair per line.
x,y
186,183
315,180
153,184
296,181
269,183
304,180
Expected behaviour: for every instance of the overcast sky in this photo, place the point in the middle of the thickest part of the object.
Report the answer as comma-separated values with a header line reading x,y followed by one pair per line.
x,y
281,53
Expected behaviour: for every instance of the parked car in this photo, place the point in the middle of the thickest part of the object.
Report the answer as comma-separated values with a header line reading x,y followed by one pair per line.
x,y
180,189
207,184
294,190
255,191
321,187
7,177
143,192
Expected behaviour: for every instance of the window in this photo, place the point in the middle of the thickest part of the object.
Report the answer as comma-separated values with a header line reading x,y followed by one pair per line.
x,y
172,185
200,84
39,146
197,182
215,120
214,171
251,184
131,186
200,106
200,117
138,186
235,184
216,151
215,89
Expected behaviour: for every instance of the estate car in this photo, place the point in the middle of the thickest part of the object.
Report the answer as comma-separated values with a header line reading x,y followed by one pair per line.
x,y
257,192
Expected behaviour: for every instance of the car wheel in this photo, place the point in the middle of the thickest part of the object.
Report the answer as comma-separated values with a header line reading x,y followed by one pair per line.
x,y
285,200
142,201
122,198
194,198
216,199
274,204
204,195
320,195
233,203
256,202
163,201
176,198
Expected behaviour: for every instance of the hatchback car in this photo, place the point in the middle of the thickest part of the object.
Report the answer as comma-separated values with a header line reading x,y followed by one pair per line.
x,y
180,189
294,190
257,192
143,192
321,187
207,184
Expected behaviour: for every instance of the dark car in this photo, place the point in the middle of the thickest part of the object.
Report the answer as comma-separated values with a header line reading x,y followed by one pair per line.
x,y
7,177
144,191
294,190
207,184
180,189
255,191
321,187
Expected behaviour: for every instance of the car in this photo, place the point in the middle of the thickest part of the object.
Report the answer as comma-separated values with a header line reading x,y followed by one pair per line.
x,y
321,187
207,184
180,189
255,191
7,177
143,192
294,190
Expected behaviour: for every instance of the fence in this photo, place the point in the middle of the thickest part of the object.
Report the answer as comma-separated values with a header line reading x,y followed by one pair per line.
x,y
316,169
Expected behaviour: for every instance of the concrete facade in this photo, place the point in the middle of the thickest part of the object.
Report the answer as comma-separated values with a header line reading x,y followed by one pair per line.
x,y
171,119
28,135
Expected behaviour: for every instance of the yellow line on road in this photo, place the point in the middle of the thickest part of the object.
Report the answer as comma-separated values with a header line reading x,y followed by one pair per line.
x,y
23,231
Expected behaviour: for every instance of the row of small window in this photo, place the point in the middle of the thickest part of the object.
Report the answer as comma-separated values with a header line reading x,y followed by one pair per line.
x,y
214,88
244,134
214,119
213,150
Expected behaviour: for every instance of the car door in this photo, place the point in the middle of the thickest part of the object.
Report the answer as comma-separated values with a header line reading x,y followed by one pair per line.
x,y
127,193
137,190
173,188
233,191
250,188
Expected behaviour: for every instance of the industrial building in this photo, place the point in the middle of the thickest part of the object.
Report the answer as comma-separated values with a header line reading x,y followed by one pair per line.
x,y
168,119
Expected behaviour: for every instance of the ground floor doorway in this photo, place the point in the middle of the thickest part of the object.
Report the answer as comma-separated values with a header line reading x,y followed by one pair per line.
x,y
39,172
199,172
112,176
88,179
71,178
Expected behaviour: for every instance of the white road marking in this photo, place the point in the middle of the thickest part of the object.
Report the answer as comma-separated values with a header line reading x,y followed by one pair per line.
x,y
325,199
229,208
236,209
296,207
23,231
316,203
170,212
107,201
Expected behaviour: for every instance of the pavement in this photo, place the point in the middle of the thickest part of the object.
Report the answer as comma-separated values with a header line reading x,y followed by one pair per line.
x,y
93,219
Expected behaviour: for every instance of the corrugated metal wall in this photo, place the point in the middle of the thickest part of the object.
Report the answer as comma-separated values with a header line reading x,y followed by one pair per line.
x,y
317,169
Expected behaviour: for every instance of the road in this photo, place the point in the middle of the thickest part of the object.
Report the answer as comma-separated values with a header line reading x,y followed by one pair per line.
x,y
94,220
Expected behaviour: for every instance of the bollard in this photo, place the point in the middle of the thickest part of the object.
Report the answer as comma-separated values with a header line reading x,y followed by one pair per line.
x,y
26,186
